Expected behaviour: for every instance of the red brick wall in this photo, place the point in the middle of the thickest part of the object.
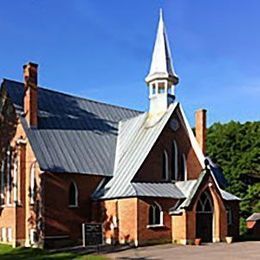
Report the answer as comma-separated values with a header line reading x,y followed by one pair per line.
x,y
201,128
20,210
31,93
124,213
19,217
156,234
59,218
132,218
233,229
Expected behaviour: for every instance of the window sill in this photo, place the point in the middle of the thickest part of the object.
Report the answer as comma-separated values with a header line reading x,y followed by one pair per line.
x,y
155,226
73,206
9,205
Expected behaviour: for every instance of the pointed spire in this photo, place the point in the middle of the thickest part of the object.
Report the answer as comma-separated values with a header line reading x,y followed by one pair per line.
x,y
161,65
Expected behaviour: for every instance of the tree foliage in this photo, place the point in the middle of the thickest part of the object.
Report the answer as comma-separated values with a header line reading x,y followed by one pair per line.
x,y
236,148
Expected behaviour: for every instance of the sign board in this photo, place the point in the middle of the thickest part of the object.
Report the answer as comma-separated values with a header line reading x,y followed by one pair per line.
x,y
92,234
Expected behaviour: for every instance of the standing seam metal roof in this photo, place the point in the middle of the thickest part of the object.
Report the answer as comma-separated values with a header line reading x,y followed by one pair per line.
x,y
133,148
74,134
190,187
164,190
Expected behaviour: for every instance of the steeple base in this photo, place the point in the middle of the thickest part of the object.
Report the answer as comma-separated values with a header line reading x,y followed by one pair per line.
x,y
160,103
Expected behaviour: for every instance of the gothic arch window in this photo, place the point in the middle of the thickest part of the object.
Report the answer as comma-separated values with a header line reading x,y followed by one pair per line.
x,y
183,168
3,181
174,161
32,192
16,179
155,215
9,175
165,166
204,204
73,195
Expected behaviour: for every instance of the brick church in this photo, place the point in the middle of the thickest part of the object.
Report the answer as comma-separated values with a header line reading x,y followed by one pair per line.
x,y
67,160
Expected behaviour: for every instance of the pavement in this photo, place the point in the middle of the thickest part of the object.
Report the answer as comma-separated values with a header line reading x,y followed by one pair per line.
x,y
219,251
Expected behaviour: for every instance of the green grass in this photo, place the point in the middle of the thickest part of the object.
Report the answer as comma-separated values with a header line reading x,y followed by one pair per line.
x,y
7,252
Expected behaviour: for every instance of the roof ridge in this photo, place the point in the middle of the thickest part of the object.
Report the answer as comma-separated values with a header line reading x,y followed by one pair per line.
x,y
127,120
79,97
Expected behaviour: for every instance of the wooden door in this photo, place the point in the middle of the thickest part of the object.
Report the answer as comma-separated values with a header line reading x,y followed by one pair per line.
x,y
204,226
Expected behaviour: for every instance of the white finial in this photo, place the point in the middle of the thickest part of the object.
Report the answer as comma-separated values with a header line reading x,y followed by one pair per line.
x,y
161,14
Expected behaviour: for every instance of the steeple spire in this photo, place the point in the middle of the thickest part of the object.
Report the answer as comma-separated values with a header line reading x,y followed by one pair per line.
x,y
161,65
161,78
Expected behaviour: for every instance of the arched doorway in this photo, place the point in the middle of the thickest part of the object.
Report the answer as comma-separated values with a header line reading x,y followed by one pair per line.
x,y
204,217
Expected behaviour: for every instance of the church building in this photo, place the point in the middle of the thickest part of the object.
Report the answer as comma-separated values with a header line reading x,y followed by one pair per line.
x,y
67,160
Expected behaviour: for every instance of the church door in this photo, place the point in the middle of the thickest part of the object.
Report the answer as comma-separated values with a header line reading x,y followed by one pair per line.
x,y
204,217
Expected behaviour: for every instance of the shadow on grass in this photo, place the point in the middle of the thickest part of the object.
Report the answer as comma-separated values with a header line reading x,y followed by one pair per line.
x,y
27,253
7,253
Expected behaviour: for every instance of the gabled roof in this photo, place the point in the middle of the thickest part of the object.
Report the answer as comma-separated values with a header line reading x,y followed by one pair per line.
x,y
228,196
136,138
83,136
133,148
161,65
74,134
190,187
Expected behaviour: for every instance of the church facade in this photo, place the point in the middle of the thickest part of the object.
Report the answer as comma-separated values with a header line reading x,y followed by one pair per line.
x,y
67,160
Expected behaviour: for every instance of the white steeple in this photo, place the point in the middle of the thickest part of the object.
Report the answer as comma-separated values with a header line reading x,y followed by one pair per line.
x,y
161,78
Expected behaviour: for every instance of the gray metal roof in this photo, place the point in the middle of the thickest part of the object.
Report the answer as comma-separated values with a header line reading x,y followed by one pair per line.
x,y
74,134
144,189
228,196
83,136
165,190
190,187
186,187
136,138
254,217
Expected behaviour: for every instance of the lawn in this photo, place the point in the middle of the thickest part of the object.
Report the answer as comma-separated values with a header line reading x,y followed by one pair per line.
x,y
7,252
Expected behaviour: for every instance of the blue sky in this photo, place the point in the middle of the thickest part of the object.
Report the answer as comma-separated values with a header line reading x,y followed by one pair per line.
x,y
102,49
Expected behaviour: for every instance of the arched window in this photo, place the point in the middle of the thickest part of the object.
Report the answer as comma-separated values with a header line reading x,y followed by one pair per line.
x,y
9,177
165,166
15,179
204,204
2,188
174,161
183,170
32,184
73,195
155,215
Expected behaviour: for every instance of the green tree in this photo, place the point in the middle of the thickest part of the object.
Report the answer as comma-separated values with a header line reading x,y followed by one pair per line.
x,y
236,148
